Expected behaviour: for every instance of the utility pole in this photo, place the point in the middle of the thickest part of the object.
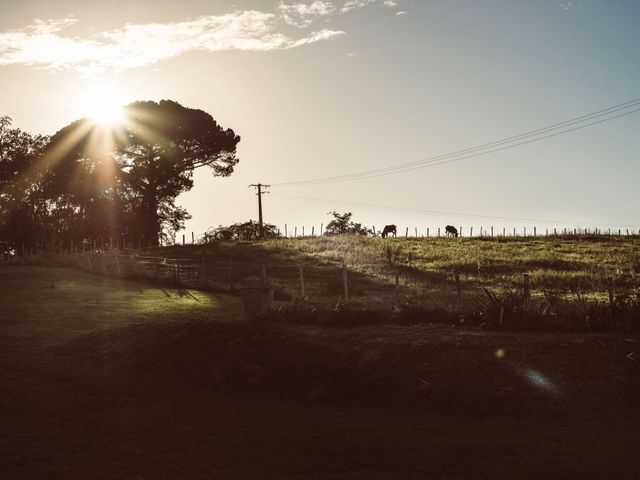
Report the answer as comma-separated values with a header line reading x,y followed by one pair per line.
x,y
260,186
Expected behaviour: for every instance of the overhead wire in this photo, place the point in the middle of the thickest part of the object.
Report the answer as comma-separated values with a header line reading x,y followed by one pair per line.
x,y
513,141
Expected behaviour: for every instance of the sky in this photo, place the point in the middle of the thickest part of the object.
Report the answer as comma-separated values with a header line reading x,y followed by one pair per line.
x,y
321,89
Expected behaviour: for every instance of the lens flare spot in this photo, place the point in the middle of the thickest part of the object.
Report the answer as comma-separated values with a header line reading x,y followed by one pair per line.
x,y
539,380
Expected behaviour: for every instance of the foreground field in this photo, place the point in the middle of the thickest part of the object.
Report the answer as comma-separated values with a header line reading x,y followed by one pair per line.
x,y
104,378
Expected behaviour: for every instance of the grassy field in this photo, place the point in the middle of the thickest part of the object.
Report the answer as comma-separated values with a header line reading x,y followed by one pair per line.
x,y
558,264
106,378
570,278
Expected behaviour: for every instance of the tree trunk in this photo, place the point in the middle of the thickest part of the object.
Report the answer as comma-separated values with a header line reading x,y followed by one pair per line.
x,y
150,221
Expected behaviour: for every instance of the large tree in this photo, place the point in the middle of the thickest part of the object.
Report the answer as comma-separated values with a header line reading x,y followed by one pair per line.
x,y
139,166
23,210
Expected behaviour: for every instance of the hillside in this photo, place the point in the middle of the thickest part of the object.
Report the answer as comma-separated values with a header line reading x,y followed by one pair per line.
x,y
572,277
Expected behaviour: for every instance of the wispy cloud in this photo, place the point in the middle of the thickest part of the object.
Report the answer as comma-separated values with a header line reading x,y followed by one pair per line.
x,y
46,44
357,4
303,14
43,44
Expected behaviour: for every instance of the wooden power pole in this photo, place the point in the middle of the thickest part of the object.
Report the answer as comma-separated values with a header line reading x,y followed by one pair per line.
x,y
259,187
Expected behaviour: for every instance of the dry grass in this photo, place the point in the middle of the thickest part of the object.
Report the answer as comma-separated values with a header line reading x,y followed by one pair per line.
x,y
560,266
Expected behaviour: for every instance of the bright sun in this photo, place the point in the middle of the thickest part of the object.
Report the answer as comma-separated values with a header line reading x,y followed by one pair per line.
x,y
104,105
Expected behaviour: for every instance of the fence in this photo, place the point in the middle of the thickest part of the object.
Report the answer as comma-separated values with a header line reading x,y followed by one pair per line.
x,y
122,243
427,232
179,271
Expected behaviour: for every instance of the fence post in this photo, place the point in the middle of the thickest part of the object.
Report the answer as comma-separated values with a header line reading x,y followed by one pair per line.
x,y
427,231
611,296
397,288
504,232
286,234
302,290
526,289
525,231
313,230
438,231
471,232
203,272
346,282
460,232
373,228
295,232
514,231
407,233
118,265
321,226
535,233
303,230
193,238
417,232
492,231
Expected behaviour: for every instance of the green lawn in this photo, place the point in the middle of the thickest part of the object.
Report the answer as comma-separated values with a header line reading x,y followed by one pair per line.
x,y
104,378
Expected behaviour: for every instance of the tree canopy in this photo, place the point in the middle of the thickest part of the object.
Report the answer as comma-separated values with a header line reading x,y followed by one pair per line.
x,y
342,225
99,181
22,206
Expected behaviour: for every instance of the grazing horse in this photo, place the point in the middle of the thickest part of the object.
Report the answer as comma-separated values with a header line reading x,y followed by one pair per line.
x,y
388,229
451,231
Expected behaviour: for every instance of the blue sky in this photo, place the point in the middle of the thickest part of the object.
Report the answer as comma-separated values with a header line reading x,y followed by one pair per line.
x,y
323,88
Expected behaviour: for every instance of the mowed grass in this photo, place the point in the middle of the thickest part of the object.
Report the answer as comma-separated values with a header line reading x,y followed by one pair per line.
x,y
104,378
32,297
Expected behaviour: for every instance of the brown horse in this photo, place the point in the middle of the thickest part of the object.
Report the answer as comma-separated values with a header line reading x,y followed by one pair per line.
x,y
388,229
451,231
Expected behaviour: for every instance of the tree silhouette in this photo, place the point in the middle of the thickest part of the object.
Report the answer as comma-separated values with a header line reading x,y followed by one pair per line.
x,y
22,207
342,225
128,179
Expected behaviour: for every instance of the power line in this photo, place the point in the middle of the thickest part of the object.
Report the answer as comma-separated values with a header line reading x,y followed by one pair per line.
x,y
531,136
327,201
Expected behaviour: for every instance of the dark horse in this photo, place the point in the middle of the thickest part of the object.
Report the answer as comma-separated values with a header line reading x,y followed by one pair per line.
x,y
451,230
388,229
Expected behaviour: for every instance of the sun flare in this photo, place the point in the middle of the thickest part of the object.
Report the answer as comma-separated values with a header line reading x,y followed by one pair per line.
x,y
104,105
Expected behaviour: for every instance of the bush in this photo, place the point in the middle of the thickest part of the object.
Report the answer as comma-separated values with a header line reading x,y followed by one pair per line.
x,y
242,231
342,225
